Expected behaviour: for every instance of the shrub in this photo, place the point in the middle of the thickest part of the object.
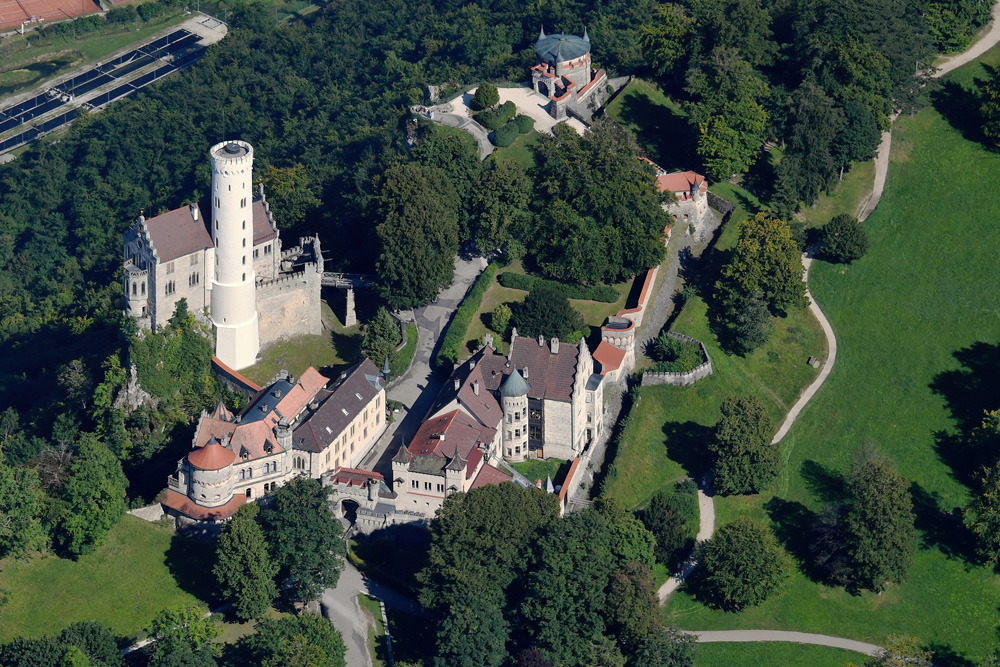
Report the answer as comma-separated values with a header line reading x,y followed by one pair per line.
x,y
150,10
525,124
486,96
122,14
494,119
451,343
500,319
505,136
602,293
844,239
674,355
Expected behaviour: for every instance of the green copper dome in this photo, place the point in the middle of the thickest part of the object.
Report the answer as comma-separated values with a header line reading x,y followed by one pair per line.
x,y
515,385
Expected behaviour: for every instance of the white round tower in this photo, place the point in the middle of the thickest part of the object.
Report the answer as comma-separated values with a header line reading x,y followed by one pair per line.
x,y
234,305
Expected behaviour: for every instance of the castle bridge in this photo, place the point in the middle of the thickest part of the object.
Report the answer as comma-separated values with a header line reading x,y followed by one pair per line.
x,y
348,280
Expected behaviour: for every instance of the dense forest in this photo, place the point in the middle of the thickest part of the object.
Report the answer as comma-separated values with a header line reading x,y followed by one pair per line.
x,y
325,101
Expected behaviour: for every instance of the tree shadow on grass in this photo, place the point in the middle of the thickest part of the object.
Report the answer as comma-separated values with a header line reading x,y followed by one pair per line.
x,y
969,391
960,107
946,656
188,560
822,482
666,136
941,529
793,526
687,444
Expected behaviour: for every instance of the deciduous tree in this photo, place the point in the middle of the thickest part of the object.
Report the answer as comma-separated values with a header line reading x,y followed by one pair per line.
x,y
547,312
500,216
748,322
486,96
21,504
844,239
307,637
982,516
766,258
665,646
474,632
304,537
745,459
879,524
183,629
417,209
243,565
902,652
667,526
95,496
743,565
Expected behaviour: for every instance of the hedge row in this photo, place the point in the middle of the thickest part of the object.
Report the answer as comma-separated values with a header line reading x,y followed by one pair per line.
x,y
494,119
454,335
506,135
603,293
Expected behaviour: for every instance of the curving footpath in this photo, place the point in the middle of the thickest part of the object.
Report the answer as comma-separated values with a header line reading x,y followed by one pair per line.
x,y
782,636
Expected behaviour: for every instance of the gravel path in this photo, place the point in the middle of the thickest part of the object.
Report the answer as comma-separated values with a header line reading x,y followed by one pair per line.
x,y
781,636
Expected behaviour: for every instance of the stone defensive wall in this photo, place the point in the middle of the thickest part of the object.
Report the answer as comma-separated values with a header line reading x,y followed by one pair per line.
x,y
572,476
685,378
234,380
289,305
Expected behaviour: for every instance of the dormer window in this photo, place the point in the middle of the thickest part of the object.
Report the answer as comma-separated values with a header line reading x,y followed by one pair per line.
x,y
245,456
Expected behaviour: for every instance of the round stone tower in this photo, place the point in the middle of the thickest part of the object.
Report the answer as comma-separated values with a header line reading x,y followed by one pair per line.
x,y
514,403
234,306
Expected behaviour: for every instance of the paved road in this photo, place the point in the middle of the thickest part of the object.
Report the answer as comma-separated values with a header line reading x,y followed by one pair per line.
x,y
706,528
781,636
465,124
417,389
340,605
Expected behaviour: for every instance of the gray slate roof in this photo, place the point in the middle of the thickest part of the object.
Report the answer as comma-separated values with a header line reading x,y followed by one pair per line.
x,y
515,385
557,48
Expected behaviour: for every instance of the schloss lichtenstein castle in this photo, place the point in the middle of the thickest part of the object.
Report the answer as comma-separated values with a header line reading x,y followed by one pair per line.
x,y
544,399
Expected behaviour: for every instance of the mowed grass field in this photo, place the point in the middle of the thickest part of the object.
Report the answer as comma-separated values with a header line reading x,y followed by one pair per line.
x,y
918,324
772,654
141,569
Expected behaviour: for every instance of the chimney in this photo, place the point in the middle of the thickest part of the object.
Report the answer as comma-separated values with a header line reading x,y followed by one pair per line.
x,y
554,345
194,212
472,363
372,488
457,384
524,373
541,340
475,387
441,436
277,393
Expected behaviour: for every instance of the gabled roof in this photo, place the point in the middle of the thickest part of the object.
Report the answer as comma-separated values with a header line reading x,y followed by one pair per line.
x,y
176,233
609,357
354,477
490,476
484,405
263,229
679,181
338,409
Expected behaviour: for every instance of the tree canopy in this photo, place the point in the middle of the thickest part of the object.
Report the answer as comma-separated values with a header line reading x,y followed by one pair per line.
x,y
546,312
743,565
243,565
745,459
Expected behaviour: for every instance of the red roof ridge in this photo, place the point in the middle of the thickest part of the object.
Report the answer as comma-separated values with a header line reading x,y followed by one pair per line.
x,y
359,471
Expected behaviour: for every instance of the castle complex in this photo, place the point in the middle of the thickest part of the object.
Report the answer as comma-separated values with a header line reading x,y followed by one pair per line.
x,y
304,426
232,269
563,74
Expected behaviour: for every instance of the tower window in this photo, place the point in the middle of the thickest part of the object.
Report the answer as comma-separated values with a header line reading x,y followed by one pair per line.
x,y
135,289
230,187
256,252
144,289
244,256
244,242
244,277
244,224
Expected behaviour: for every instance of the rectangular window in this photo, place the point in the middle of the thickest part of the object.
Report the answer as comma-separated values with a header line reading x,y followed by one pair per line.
x,y
415,484
365,435
194,260
427,486
535,433
267,249
170,268
352,430
352,448
256,253
378,419
440,488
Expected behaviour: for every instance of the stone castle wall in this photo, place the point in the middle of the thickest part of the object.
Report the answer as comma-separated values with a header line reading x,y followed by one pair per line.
x,y
290,306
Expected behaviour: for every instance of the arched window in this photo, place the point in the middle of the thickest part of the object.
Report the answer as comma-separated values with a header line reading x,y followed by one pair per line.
x,y
244,256
250,473
244,224
243,475
134,289
144,289
244,245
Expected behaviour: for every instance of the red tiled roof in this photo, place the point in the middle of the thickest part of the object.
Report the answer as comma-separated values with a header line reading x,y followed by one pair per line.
x,y
569,479
354,476
239,378
212,456
490,476
679,181
176,233
262,229
462,435
609,357
188,507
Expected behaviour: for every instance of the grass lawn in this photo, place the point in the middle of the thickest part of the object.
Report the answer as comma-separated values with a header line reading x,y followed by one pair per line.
x,y
540,469
772,654
376,632
141,569
520,151
670,425
917,326
659,125
406,354
329,352
594,312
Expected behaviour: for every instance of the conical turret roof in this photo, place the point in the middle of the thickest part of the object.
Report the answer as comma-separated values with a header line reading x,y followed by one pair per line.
x,y
515,385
